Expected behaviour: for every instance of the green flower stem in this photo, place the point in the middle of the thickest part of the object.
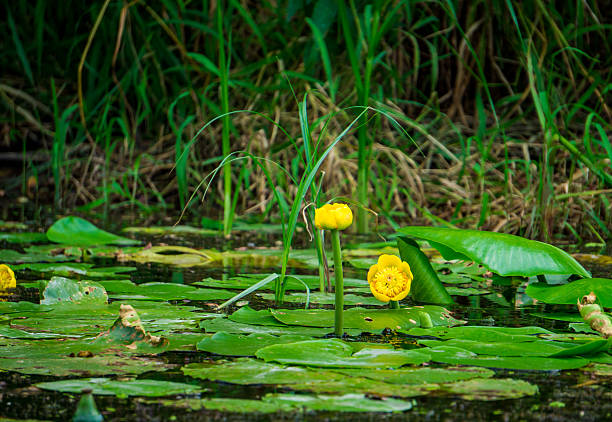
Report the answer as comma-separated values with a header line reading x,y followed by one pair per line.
x,y
339,320
321,257
394,304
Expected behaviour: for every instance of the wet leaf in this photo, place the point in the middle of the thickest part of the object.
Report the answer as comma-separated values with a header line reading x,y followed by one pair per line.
x,y
482,334
122,388
224,324
416,376
71,269
570,293
251,371
247,315
222,343
163,291
370,320
79,232
23,238
533,348
326,298
229,405
344,403
334,353
504,254
60,289
458,356
491,389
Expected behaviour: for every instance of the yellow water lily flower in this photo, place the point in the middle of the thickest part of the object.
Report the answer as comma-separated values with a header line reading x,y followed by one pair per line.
x,y
7,278
333,217
390,278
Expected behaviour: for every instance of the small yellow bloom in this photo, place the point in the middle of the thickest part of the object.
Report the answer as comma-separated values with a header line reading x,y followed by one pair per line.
x,y
7,278
390,278
333,217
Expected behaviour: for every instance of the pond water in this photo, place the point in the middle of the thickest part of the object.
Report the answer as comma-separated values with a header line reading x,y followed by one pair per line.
x,y
562,395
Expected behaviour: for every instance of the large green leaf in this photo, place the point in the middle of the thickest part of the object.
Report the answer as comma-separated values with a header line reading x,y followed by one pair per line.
x,y
124,388
371,320
345,403
222,343
504,254
79,232
416,376
252,371
491,389
60,289
228,405
458,356
426,286
333,353
214,325
572,292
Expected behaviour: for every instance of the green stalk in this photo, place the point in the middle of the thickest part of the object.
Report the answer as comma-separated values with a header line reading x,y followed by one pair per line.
x,y
339,306
227,170
394,304
321,257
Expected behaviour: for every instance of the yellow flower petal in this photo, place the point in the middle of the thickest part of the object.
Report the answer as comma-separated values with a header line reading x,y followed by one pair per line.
x,y
390,278
333,217
389,261
372,272
7,278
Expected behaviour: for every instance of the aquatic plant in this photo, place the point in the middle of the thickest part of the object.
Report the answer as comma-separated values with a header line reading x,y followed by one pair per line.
x,y
336,217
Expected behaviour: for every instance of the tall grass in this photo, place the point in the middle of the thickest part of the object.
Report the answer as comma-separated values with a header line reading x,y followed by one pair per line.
x,y
507,102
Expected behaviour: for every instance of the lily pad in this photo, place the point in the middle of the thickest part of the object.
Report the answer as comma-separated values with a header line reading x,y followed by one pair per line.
x,y
72,269
504,254
334,353
482,334
164,291
491,389
229,405
344,403
247,315
79,232
458,356
222,343
420,376
326,298
122,388
60,289
22,238
572,292
251,371
371,320
223,324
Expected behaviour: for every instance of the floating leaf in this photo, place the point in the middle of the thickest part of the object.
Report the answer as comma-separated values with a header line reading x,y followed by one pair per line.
x,y
128,331
371,320
345,403
251,371
416,376
458,356
570,293
224,324
163,291
60,289
491,389
222,343
79,232
334,353
326,298
482,334
504,254
229,405
23,237
247,315
71,269
122,388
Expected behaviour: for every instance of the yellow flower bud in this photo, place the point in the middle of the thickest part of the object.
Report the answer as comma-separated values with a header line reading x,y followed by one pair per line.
x,y
333,217
7,278
390,278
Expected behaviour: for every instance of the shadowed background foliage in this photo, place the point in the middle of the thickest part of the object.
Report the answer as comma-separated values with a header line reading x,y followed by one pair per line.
x,y
505,108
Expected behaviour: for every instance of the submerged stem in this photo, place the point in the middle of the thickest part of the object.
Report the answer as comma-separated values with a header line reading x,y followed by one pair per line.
x,y
339,306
